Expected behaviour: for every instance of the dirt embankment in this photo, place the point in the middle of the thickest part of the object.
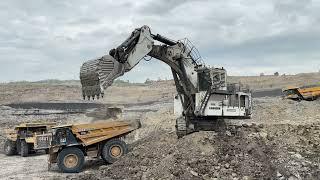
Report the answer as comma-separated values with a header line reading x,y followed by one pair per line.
x,y
116,94
276,82
136,93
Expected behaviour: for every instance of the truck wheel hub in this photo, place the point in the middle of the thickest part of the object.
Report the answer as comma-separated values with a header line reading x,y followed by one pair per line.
x,y
71,160
116,151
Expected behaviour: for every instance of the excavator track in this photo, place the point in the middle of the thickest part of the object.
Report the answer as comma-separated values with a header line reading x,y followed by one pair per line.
x,y
181,127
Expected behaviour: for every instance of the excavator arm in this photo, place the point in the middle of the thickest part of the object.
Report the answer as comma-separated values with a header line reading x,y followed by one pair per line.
x,y
98,74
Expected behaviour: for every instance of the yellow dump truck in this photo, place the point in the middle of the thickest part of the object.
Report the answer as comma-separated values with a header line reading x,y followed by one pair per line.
x,y
309,93
26,138
71,143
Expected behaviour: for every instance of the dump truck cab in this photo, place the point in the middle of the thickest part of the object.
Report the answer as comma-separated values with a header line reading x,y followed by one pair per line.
x,y
27,137
71,143
291,92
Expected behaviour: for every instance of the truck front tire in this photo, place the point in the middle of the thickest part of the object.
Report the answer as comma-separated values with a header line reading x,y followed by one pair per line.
x,y
70,160
113,149
24,149
10,148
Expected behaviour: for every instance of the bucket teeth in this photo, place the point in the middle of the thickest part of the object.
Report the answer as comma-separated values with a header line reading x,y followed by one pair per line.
x,y
98,74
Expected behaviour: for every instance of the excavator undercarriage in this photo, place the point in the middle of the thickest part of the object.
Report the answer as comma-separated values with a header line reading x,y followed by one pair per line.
x,y
202,92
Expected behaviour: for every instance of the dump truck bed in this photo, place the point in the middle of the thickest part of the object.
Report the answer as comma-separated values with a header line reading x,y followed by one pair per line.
x,y
310,92
96,132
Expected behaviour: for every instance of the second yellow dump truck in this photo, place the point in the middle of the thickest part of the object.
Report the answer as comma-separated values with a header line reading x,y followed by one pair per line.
x,y
27,137
309,93
71,143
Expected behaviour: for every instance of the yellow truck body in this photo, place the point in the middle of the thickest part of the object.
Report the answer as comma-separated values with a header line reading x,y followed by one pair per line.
x,y
92,133
310,93
22,138
70,143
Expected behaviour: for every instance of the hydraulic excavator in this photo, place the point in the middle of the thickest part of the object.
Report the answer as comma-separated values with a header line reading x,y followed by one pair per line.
x,y
203,94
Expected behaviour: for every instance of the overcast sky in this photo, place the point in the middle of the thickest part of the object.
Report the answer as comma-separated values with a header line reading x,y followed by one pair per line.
x,y
50,39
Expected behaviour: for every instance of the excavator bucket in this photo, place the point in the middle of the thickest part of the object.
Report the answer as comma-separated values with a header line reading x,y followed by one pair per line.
x,y
98,74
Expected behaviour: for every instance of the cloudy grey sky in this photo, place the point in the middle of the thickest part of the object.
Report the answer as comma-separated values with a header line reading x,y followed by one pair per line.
x,y
43,39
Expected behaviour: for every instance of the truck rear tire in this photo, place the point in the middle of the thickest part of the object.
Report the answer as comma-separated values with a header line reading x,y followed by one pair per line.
x,y
70,160
10,148
24,149
113,149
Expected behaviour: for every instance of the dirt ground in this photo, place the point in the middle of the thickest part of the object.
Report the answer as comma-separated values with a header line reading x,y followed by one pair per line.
x,y
280,141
